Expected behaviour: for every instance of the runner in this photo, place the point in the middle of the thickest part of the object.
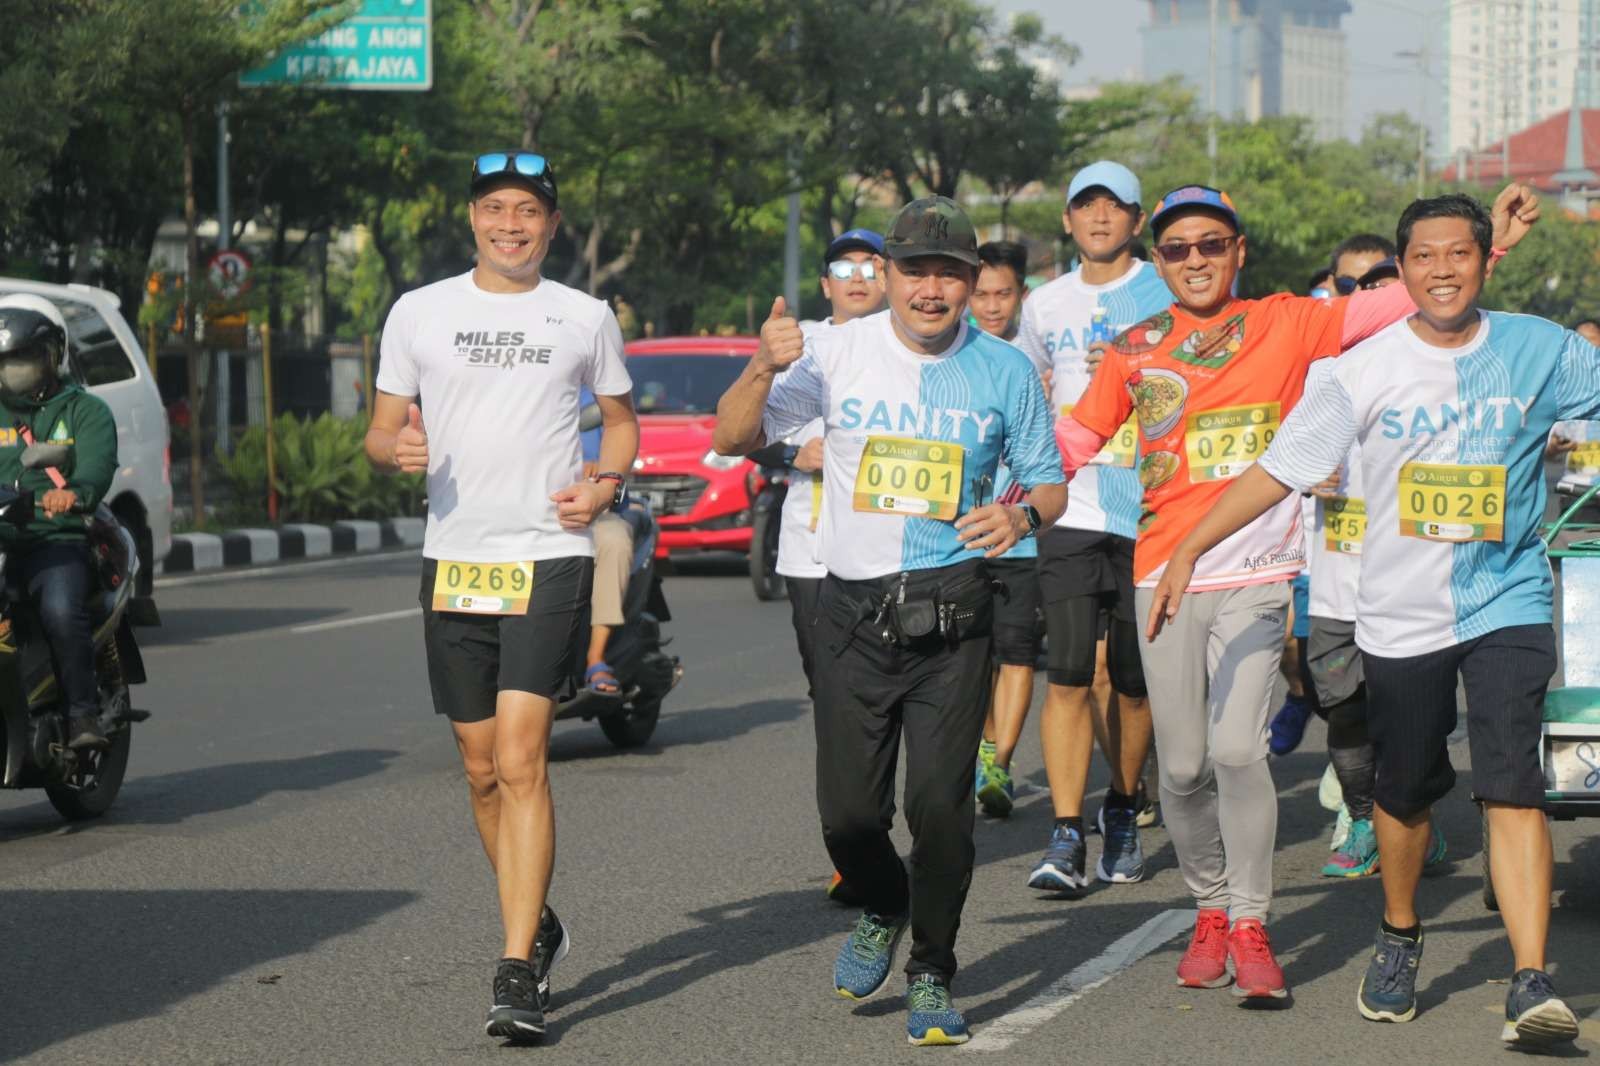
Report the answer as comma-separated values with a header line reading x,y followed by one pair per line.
x,y
1354,257
1210,379
1096,683
997,300
1454,580
495,358
920,409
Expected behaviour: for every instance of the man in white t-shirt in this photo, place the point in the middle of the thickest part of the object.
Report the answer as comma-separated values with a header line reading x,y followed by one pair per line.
x,y
495,359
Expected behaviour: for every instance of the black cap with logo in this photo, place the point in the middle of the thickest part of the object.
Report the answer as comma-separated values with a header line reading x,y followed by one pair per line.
x,y
933,225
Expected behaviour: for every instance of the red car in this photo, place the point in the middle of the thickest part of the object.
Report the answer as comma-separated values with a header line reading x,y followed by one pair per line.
x,y
701,500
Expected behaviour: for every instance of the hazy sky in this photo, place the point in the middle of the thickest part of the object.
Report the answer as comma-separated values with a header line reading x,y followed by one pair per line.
x,y
1108,33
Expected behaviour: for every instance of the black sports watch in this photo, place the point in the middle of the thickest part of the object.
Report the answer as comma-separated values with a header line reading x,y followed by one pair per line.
x,y
1034,518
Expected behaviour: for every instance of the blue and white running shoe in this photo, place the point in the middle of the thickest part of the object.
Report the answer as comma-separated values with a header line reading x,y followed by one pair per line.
x,y
1122,859
1061,869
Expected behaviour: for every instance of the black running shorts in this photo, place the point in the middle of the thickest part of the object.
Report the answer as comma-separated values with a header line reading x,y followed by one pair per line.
x,y
473,658
1016,611
1086,581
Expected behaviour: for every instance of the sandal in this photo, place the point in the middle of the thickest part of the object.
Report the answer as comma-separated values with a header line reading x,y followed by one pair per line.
x,y
600,680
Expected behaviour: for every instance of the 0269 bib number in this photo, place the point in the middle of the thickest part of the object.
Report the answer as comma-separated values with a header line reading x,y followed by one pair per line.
x,y
1454,503
1344,524
909,477
1225,442
482,588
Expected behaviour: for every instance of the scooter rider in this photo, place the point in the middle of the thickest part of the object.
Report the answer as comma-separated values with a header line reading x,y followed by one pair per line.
x,y
920,409
50,556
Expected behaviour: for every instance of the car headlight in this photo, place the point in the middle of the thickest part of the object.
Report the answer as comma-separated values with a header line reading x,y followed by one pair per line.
x,y
721,462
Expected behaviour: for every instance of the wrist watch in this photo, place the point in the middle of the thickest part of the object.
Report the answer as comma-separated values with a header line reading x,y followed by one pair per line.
x,y
1031,513
619,486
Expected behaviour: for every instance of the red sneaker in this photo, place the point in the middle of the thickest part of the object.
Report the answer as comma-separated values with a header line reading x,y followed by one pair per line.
x,y
1256,973
1205,963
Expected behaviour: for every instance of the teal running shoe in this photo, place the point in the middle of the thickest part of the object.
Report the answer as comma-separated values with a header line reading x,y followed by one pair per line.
x,y
1358,855
1389,988
996,791
867,956
1437,850
933,1019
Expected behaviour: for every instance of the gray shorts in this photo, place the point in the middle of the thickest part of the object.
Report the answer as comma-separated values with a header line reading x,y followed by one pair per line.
x,y
1334,660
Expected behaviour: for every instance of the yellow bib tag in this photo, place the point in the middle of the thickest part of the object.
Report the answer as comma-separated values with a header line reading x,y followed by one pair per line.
x,y
482,588
1224,443
910,477
816,500
1444,501
1344,524
1585,458
1123,447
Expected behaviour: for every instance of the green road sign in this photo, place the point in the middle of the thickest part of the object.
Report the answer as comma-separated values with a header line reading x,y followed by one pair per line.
x,y
386,45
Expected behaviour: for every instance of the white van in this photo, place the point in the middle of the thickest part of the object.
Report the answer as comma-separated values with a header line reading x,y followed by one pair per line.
x,y
105,356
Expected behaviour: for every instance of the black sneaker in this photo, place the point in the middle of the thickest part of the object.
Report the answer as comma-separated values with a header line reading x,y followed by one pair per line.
x,y
552,946
1534,1016
516,1014
83,731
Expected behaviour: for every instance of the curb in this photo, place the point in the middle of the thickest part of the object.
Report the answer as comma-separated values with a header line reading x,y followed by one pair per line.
x,y
197,552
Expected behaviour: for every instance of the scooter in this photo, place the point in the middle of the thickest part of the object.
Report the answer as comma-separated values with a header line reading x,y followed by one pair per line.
x,y
80,783
766,522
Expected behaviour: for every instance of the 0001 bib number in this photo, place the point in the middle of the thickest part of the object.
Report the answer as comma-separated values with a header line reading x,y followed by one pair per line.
x,y
1344,524
1123,447
910,477
482,588
1225,442
1443,501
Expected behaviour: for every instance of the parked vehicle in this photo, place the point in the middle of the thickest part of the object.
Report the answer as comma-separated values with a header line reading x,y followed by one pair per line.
x,y
80,783
104,354
772,488
701,500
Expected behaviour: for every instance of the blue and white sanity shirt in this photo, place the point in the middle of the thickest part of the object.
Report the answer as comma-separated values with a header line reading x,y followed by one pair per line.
x,y
980,393
1452,422
1054,333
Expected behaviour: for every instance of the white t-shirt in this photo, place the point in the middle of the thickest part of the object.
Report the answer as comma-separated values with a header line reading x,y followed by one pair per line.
x,y
1452,467
1336,532
798,554
980,394
1055,334
497,377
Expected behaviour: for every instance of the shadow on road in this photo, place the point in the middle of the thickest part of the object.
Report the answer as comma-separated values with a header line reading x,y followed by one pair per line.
x,y
167,799
86,960
678,729
184,626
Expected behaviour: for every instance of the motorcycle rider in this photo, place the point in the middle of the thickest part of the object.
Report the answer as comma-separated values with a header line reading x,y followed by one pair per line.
x,y
49,557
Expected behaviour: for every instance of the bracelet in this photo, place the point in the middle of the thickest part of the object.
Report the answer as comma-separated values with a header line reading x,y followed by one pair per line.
x,y
609,475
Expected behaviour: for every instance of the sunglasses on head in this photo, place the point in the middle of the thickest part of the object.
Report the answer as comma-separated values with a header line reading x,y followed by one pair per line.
x,y
528,164
1210,247
844,270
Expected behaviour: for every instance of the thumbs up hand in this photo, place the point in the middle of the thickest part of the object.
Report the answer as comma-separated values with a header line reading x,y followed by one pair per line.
x,y
781,341
411,444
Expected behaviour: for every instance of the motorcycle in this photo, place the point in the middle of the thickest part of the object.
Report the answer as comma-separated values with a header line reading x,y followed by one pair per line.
x,y
644,673
769,487
81,783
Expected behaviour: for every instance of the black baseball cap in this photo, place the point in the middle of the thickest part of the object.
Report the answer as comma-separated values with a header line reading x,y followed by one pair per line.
x,y
933,225
528,169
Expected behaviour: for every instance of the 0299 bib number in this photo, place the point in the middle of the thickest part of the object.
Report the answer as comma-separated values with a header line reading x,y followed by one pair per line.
x,y
1225,442
902,476
482,588
1453,503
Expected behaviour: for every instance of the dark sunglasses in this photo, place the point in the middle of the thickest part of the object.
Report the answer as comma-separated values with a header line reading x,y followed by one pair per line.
x,y
1345,284
528,164
1210,247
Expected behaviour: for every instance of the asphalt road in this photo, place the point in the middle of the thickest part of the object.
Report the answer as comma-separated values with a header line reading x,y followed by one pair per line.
x,y
290,875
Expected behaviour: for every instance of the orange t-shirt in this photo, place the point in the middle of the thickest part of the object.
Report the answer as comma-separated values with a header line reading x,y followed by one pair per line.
x,y
1204,421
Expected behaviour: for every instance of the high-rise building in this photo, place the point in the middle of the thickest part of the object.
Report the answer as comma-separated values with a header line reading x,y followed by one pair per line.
x,y
1273,57
1511,63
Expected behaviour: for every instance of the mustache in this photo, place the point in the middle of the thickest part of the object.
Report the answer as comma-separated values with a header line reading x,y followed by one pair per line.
x,y
930,306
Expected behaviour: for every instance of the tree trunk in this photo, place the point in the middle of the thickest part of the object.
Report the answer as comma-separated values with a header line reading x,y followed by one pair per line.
x,y
191,314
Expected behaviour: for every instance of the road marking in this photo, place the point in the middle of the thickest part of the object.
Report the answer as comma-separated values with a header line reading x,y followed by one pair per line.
x,y
281,569
1009,1028
341,623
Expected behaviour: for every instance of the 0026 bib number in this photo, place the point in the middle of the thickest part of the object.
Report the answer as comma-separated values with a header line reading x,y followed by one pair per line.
x,y
1122,449
482,588
1344,524
1447,502
910,477
1225,442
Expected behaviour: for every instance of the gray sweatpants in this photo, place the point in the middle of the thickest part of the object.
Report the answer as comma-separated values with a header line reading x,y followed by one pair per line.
x,y
1211,673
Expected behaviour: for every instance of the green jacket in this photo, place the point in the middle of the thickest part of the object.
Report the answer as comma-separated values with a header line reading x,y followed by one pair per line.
x,y
72,416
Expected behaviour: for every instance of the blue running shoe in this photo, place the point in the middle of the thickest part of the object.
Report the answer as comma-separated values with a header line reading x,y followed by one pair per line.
x,y
1534,1016
996,792
1389,988
867,956
1061,869
932,1019
1288,726
1122,859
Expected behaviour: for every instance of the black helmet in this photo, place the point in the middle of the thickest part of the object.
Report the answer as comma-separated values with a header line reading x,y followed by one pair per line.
x,y
31,328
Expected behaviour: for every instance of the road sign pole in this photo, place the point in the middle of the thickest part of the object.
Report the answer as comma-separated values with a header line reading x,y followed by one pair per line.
x,y
266,401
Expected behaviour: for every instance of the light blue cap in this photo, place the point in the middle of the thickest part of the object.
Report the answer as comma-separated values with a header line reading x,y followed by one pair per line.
x,y
1114,177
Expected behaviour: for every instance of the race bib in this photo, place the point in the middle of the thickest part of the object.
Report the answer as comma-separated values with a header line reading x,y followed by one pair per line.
x,y
1344,524
1224,443
1585,458
910,477
482,588
816,500
1444,501
1123,447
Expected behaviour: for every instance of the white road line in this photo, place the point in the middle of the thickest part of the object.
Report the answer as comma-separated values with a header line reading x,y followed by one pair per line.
x,y
1008,1028
341,623
209,577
